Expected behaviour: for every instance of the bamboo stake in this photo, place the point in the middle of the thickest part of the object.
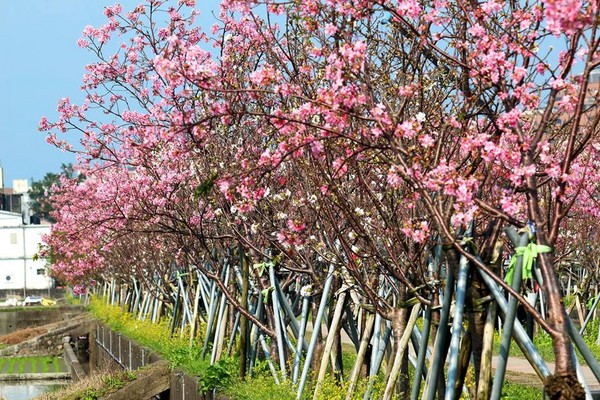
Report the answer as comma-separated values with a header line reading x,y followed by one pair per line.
x,y
581,376
194,321
105,291
278,328
378,360
220,336
242,319
112,291
126,300
376,339
436,364
580,316
234,331
485,371
305,293
147,305
350,326
395,372
290,313
258,312
315,334
584,349
220,318
187,315
423,347
377,333
211,317
465,352
459,307
263,344
360,356
136,299
157,311
331,334
175,310
206,300
142,304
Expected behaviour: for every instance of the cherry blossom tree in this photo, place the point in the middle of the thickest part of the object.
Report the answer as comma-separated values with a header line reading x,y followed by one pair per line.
x,y
355,132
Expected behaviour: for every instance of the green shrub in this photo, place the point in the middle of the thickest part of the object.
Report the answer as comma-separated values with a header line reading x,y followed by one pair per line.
x,y
219,375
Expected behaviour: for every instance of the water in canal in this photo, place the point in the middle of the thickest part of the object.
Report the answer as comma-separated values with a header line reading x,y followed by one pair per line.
x,y
27,390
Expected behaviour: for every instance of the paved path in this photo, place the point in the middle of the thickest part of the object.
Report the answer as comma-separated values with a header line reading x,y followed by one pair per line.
x,y
521,365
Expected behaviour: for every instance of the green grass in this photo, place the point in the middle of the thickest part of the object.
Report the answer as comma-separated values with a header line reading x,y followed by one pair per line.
x,y
56,364
30,364
511,390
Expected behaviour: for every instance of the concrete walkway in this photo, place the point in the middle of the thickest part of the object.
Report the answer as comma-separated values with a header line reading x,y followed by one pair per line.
x,y
521,365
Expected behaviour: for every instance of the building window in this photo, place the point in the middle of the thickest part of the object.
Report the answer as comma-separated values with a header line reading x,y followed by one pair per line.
x,y
13,238
41,271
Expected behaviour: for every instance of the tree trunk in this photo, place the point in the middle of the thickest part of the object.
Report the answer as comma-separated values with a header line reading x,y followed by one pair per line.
x,y
563,384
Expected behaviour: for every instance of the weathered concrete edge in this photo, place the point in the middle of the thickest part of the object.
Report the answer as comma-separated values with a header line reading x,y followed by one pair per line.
x,y
76,371
35,376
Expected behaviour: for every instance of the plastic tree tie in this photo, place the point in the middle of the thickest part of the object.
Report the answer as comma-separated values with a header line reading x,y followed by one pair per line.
x,y
529,254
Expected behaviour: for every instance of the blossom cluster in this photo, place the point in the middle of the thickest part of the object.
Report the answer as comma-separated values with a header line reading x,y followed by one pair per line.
x,y
326,140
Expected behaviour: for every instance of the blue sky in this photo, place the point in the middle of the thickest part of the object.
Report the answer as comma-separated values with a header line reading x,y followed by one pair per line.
x,y
40,63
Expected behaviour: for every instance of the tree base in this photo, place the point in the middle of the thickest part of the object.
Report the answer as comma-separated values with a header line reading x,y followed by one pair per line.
x,y
564,387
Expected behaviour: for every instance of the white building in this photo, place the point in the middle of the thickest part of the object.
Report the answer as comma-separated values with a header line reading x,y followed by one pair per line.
x,y
18,245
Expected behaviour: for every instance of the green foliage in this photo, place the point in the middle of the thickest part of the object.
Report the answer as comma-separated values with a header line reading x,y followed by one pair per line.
x,y
90,394
204,189
40,191
219,375
115,382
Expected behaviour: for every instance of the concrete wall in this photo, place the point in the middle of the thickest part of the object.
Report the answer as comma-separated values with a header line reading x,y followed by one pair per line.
x,y
113,350
21,318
